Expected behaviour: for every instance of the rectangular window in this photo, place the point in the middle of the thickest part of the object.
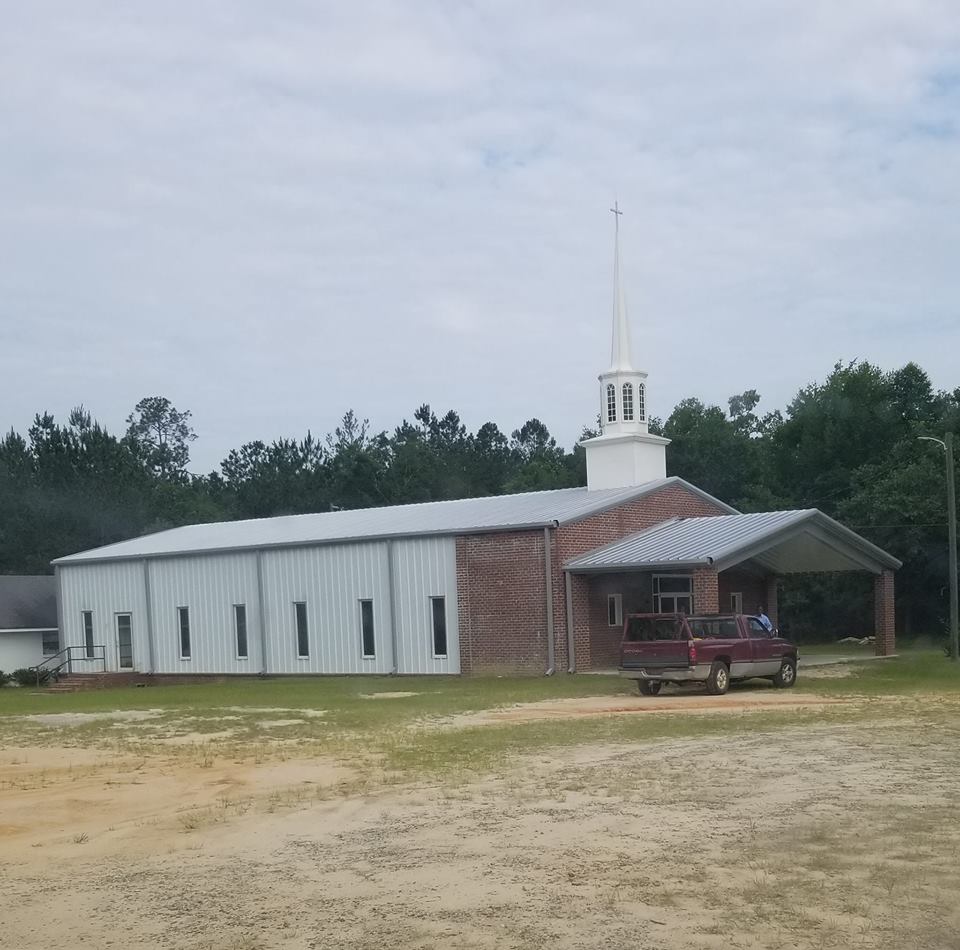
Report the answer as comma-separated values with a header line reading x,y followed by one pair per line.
x,y
303,636
736,603
240,624
88,633
125,641
51,642
614,610
183,615
366,629
438,608
627,402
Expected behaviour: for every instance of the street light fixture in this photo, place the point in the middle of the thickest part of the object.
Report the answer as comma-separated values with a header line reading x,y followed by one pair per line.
x,y
947,445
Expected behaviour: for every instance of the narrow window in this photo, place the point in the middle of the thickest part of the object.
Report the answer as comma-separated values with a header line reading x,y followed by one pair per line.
x,y
641,402
88,633
611,403
51,642
366,629
438,607
183,615
240,624
736,603
303,637
614,610
125,641
628,402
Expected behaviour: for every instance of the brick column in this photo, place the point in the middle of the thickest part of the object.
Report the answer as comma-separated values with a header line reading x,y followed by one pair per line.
x,y
706,591
883,614
773,599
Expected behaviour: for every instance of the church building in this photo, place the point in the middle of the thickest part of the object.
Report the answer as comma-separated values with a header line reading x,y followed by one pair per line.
x,y
533,583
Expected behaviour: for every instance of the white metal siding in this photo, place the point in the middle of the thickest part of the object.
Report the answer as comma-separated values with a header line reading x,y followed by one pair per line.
x,y
425,568
106,590
209,586
331,580
20,649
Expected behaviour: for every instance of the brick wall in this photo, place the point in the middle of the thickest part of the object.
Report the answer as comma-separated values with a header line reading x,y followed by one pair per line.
x,y
883,611
501,600
753,588
572,540
502,589
706,591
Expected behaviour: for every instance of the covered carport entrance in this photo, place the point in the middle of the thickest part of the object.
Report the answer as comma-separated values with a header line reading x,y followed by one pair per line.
x,y
727,563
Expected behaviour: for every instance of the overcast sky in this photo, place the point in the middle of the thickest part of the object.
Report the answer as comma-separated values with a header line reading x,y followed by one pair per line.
x,y
271,213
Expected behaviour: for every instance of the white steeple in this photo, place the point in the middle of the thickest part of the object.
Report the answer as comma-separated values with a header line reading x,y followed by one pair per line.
x,y
624,454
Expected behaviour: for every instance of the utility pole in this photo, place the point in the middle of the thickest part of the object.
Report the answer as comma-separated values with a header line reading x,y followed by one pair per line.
x,y
947,445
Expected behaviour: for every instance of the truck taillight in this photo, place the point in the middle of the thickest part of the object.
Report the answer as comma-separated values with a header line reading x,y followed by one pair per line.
x,y
691,653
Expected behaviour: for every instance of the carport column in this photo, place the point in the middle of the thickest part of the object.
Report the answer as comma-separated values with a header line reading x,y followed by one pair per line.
x,y
773,600
706,591
883,614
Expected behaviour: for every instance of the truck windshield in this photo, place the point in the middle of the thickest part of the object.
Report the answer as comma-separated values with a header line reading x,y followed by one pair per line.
x,y
640,629
714,628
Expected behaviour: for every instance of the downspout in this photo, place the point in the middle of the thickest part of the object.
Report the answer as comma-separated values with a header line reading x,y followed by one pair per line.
x,y
261,615
61,633
548,577
393,609
148,597
571,654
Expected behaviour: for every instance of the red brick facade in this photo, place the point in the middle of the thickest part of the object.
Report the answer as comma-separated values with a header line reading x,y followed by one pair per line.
x,y
706,591
502,586
502,602
883,613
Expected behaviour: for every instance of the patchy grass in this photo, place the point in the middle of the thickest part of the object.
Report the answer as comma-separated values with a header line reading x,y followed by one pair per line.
x,y
922,671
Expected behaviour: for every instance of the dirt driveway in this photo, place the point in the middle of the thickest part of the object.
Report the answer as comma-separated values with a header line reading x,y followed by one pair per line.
x,y
822,836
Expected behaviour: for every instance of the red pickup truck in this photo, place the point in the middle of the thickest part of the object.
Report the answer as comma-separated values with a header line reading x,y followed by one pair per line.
x,y
715,650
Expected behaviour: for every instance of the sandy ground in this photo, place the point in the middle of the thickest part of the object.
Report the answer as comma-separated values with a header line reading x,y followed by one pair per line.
x,y
825,836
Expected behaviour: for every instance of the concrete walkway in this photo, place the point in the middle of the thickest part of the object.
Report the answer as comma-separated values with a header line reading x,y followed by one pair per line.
x,y
828,659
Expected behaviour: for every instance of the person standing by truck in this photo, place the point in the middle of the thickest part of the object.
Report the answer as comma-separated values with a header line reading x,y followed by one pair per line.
x,y
764,619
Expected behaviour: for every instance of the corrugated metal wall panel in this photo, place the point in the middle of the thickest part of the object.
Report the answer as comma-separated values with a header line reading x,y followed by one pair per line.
x,y
209,586
331,581
425,568
105,590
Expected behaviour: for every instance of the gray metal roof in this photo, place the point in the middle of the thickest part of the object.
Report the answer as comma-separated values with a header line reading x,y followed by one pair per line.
x,y
783,542
28,602
463,516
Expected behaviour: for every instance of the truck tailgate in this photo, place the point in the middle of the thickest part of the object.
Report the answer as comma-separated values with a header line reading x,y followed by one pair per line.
x,y
654,654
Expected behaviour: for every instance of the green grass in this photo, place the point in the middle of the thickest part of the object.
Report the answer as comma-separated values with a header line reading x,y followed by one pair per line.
x,y
917,672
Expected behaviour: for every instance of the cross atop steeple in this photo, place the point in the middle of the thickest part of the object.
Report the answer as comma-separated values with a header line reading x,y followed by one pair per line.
x,y
620,357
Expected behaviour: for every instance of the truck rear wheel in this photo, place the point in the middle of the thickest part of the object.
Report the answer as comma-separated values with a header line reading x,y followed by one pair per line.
x,y
718,682
649,687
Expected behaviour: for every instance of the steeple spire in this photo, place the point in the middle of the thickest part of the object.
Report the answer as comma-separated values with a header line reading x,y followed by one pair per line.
x,y
620,355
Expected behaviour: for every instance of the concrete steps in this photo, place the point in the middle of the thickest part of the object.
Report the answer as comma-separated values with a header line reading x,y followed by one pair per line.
x,y
75,682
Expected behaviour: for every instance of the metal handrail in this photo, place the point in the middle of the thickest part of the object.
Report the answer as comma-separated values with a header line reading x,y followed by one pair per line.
x,y
48,667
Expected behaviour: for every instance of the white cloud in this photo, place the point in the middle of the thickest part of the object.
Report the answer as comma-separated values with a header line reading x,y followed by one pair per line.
x,y
274,214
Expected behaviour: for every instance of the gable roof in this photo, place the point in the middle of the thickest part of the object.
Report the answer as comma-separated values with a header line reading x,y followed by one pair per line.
x,y
783,542
28,602
463,516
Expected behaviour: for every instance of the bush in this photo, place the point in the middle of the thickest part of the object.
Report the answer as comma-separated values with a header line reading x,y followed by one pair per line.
x,y
4,678
24,677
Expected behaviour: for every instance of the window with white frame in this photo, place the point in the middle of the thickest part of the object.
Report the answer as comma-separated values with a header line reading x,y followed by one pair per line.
x,y
614,610
51,642
611,403
628,402
88,634
641,402
672,593
366,630
438,613
240,629
303,635
183,617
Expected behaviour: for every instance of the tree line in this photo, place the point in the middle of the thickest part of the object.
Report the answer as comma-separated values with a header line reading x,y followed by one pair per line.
x,y
847,445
